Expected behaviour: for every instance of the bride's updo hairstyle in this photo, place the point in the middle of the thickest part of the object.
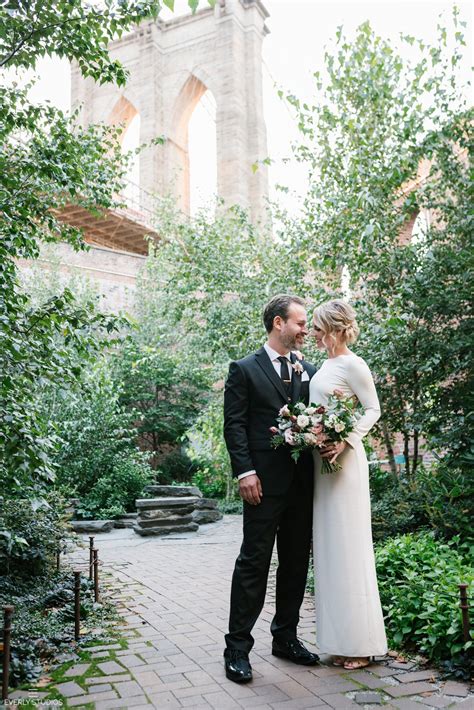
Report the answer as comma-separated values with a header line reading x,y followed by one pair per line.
x,y
337,317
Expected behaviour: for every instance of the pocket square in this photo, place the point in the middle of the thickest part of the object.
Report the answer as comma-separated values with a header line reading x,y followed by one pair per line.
x,y
304,376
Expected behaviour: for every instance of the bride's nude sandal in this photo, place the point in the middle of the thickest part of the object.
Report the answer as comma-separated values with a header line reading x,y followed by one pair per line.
x,y
353,664
338,660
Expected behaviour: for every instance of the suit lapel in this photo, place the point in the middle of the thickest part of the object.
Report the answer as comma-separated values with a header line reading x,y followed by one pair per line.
x,y
295,382
266,365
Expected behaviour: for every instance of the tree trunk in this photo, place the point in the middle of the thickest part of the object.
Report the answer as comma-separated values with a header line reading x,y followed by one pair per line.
x,y
406,452
389,448
416,437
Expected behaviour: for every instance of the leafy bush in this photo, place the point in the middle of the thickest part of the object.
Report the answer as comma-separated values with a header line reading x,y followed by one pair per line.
x,y
115,493
176,467
168,393
447,495
439,497
95,430
418,581
31,531
208,450
397,508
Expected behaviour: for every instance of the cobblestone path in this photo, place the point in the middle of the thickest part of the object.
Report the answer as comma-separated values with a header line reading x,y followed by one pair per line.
x,y
175,597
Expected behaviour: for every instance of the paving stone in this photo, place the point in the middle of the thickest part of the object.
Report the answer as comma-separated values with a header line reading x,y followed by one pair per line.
x,y
403,665
107,678
438,701
164,700
368,698
367,679
70,689
397,691
104,647
453,687
406,704
466,704
86,699
384,671
99,688
77,670
412,676
31,694
296,703
110,667
132,661
128,689
338,701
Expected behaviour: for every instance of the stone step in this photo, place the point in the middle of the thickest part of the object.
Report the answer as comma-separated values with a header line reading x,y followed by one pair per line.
x,y
160,503
173,491
171,520
158,514
144,532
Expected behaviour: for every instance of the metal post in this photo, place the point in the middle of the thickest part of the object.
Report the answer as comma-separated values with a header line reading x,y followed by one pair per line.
x,y
7,629
91,556
77,604
464,606
96,574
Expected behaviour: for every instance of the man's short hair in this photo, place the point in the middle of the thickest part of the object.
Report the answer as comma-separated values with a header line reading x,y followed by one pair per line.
x,y
279,306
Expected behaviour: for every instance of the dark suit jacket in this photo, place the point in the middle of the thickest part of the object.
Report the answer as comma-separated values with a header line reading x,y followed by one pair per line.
x,y
254,393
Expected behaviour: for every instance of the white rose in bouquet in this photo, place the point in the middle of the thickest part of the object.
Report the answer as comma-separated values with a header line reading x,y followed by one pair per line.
x,y
302,421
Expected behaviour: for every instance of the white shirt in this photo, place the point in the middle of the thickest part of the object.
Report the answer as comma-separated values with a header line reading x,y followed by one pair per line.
x,y
273,355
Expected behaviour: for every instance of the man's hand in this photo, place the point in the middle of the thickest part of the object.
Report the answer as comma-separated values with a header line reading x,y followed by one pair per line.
x,y
333,450
251,489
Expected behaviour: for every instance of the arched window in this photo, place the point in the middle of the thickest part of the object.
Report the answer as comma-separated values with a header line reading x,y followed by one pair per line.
x,y
125,114
202,155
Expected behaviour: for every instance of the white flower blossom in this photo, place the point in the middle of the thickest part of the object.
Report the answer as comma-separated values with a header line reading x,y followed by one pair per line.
x,y
302,421
339,426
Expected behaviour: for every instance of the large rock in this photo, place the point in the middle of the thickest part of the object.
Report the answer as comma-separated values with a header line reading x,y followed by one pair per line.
x,y
125,521
205,515
210,503
174,491
92,526
163,503
145,532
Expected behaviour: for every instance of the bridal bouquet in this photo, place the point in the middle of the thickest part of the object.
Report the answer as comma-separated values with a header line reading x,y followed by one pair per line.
x,y
315,426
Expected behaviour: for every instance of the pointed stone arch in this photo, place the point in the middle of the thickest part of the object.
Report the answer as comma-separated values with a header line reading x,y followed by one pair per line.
x,y
170,66
122,113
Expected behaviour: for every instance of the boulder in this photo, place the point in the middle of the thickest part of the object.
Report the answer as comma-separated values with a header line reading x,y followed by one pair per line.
x,y
92,526
173,491
125,521
166,502
205,515
166,530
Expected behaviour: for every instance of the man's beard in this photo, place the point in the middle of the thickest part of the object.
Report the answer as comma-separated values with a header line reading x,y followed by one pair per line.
x,y
290,343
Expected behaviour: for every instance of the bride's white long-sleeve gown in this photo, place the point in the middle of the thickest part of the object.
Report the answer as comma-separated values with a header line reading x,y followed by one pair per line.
x,y
349,620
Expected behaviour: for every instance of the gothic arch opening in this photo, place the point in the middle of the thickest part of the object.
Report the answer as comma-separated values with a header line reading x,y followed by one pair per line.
x,y
125,114
193,145
203,155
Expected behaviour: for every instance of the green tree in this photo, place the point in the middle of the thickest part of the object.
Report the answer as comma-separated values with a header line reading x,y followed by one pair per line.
x,y
47,161
376,121
165,393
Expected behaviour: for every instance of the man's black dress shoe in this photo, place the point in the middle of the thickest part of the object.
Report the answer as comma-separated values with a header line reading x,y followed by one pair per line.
x,y
237,666
293,650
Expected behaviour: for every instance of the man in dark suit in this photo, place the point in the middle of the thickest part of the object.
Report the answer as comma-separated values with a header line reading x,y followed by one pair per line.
x,y
277,492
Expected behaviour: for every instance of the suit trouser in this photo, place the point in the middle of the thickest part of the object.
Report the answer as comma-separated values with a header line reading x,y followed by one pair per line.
x,y
287,517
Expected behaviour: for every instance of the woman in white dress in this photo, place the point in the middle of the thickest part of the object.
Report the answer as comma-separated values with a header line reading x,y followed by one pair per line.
x,y
349,620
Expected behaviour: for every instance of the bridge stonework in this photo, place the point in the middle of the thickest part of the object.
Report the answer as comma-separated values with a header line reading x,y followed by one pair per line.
x,y
171,65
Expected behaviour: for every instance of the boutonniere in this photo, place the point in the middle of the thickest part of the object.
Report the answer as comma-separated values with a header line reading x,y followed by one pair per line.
x,y
298,367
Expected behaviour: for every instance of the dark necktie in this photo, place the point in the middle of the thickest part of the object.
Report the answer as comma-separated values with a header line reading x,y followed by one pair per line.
x,y
285,374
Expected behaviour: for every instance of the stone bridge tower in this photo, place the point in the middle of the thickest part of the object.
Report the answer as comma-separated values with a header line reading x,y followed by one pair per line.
x,y
172,64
